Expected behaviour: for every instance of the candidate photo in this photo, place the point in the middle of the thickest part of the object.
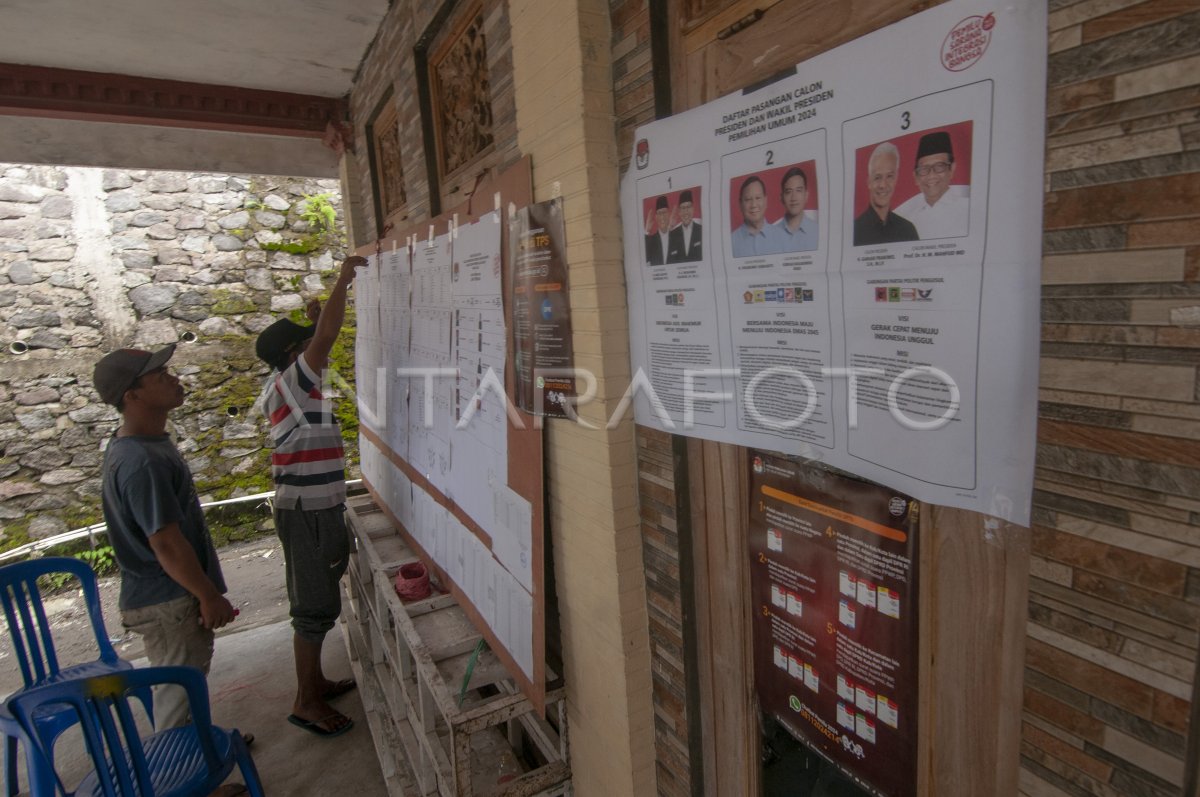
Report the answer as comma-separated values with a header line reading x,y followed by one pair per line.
x,y
941,208
774,211
797,225
914,187
877,223
673,228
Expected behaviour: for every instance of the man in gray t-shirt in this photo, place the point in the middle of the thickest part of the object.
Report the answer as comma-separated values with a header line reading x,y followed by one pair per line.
x,y
172,590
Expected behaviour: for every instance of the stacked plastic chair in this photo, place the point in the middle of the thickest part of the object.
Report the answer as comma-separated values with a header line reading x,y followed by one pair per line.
x,y
33,644
189,761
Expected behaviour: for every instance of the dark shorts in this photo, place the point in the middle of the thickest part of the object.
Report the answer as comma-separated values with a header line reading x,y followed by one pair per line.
x,y
316,552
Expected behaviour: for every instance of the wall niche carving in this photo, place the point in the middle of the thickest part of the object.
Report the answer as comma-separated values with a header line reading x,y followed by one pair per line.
x,y
388,168
461,95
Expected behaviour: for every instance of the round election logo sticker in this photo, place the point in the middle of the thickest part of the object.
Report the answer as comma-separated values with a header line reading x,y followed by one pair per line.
x,y
967,42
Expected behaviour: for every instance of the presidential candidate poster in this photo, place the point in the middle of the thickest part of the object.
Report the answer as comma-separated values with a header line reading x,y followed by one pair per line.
x,y
844,264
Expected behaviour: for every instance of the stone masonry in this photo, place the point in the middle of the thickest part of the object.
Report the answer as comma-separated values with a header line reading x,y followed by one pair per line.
x,y
92,260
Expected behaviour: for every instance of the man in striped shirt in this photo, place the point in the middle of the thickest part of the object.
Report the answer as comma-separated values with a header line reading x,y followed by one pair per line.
x,y
310,491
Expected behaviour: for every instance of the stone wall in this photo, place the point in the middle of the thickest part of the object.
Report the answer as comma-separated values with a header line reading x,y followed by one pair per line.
x,y
93,260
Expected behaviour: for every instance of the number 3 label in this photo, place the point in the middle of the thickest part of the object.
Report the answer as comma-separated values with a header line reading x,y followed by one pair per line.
x,y
905,120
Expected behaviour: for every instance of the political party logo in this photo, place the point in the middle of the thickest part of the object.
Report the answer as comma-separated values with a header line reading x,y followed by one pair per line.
x,y
643,153
893,294
547,310
897,505
789,294
679,299
908,294
807,295
924,294
670,299
967,42
881,294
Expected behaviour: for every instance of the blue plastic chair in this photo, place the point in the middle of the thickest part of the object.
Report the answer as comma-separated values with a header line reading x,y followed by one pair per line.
x,y
189,761
33,643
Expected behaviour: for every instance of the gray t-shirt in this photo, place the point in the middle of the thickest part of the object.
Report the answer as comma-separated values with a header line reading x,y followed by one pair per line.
x,y
146,486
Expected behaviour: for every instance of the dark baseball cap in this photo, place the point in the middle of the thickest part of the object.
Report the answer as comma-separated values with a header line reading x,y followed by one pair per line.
x,y
117,371
278,340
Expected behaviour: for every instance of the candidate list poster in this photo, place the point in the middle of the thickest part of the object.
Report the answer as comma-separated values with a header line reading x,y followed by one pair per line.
x,y
844,264
833,579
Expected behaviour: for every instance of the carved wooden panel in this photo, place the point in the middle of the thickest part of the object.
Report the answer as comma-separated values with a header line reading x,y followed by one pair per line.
x,y
389,168
73,94
461,95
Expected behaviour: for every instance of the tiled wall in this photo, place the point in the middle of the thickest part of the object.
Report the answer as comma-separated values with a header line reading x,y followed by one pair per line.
x,y
1115,589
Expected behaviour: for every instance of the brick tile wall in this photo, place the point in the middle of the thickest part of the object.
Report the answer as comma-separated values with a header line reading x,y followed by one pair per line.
x,y
1113,605
390,64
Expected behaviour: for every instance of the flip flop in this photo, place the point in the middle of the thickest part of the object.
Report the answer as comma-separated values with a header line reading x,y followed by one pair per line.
x,y
340,688
230,790
315,726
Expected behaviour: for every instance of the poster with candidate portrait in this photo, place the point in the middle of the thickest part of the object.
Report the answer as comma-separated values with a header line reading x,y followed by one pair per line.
x,y
867,291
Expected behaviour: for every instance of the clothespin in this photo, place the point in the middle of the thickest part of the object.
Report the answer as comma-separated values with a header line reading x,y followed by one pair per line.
x,y
454,227
496,205
556,191
431,235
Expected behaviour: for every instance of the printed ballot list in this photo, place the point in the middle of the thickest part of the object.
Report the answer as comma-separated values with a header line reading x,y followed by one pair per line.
x,y
834,585
431,356
844,264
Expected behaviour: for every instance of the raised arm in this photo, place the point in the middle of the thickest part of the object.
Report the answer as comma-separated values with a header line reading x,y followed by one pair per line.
x,y
329,321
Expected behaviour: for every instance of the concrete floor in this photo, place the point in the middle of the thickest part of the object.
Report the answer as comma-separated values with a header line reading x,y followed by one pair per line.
x,y
251,686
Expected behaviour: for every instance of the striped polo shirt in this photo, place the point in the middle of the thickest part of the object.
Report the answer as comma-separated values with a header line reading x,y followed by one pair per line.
x,y
307,463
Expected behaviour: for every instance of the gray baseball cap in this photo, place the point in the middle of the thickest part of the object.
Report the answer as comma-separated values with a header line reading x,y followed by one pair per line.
x,y
117,371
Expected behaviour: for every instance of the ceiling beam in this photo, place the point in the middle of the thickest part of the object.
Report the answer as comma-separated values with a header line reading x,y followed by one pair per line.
x,y
101,97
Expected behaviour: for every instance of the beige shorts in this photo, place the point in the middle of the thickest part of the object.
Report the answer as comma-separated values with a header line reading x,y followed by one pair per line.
x,y
173,635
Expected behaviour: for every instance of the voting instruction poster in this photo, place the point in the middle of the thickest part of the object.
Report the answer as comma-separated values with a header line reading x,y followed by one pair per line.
x,y
844,264
541,311
833,580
